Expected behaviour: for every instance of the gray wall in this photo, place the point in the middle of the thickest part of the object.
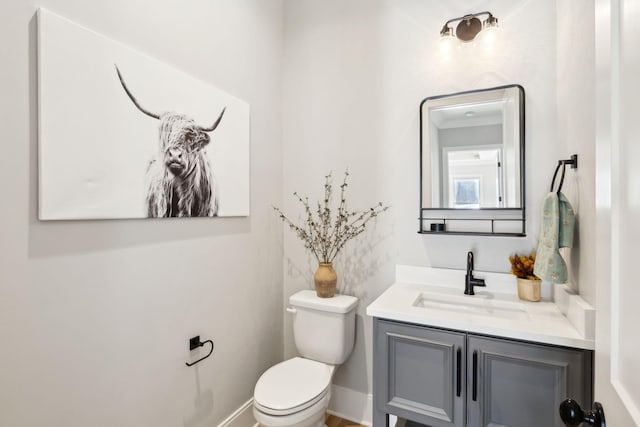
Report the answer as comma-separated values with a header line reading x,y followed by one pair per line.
x,y
471,135
95,316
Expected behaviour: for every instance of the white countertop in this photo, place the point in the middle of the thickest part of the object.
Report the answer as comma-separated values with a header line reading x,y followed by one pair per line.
x,y
566,323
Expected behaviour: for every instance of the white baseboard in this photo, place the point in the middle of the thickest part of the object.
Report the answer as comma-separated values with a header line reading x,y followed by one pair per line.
x,y
351,405
345,403
241,417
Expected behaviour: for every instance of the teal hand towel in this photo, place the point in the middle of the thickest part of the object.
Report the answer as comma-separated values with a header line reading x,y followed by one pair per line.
x,y
557,228
567,224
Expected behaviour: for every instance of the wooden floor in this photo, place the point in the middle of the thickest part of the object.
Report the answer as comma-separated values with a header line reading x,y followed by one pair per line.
x,y
333,421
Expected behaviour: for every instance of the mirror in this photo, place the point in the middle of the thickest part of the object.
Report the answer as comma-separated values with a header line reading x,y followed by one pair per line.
x,y
472,157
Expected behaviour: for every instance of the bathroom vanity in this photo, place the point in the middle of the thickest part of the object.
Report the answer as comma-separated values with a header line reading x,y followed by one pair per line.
x,y
445,359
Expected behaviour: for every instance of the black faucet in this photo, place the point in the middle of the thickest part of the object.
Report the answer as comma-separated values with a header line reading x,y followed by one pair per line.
x,y
469,280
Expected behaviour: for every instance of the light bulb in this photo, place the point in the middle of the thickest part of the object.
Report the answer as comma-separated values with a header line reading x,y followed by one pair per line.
x,y
448,46
488,38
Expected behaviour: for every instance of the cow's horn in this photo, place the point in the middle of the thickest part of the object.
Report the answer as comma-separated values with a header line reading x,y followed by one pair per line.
x,y
215,125
135,102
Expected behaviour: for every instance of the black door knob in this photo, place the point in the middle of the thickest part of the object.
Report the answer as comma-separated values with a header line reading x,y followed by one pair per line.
x,y
572,414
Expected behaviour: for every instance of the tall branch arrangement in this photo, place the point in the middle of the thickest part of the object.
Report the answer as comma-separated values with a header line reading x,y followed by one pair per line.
x,y
325,234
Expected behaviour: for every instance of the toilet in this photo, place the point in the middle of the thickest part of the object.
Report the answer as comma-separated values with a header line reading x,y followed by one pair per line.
x,y
296,392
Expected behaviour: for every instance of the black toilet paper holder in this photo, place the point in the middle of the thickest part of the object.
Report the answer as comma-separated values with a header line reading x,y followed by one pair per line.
x,y
196,343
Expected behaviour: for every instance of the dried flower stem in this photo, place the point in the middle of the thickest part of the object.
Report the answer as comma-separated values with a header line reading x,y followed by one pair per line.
x,y
323,236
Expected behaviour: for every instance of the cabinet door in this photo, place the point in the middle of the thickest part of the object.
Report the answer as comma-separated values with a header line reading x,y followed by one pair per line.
x,y
519,384
418,374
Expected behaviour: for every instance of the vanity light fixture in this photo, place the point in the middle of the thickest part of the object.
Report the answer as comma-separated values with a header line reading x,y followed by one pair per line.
x,y
469,26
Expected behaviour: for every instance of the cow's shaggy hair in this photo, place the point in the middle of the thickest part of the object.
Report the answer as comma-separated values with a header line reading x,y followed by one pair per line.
x,y
180,182
179,178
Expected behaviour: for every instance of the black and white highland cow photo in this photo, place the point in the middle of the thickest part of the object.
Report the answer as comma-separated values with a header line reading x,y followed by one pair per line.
x,y
123,135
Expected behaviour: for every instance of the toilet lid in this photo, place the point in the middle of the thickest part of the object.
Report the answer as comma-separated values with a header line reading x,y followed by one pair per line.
x,y
292,386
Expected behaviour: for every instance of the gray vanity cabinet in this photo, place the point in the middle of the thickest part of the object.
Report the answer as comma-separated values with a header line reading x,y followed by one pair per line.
x,y
436,377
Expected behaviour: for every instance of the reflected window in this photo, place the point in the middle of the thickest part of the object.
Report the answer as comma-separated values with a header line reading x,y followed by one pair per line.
x,y
467,193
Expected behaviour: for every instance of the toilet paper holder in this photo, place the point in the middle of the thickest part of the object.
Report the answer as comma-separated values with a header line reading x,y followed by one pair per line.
x,y
194,343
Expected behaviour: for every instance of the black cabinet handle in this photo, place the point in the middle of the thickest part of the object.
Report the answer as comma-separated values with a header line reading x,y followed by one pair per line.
x,y
474,394
459,372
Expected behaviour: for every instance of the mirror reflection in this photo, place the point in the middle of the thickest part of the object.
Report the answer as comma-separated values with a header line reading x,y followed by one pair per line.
x,y
472,145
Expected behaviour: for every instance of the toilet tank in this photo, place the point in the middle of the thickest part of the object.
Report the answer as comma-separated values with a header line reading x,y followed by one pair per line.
x,y
324,328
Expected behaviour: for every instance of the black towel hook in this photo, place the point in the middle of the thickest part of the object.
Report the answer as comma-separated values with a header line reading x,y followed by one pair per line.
x,y
195,343
573,161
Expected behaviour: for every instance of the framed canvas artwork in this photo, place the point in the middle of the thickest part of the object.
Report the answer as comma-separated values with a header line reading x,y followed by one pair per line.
x,y
123,135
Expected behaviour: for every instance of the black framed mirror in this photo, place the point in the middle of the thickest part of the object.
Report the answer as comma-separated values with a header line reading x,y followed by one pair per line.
x,y
472,162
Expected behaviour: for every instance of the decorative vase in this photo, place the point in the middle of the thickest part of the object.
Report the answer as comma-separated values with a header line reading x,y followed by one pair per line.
x,y
529,289
326,280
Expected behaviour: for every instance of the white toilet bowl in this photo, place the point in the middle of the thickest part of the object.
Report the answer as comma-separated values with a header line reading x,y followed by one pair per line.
x,y
293,393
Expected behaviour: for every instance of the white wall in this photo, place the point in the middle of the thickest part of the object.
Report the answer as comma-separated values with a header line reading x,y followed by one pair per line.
x,y
355,73
576,133
95,316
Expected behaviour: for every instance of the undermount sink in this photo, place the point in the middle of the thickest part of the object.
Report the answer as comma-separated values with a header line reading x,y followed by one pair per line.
x,y
481,304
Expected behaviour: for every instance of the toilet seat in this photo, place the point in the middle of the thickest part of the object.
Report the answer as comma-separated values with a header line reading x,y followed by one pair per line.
x,y
292,386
